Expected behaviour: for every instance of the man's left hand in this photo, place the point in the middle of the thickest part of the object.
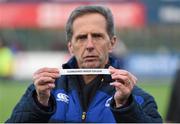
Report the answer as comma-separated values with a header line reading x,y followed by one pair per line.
x,y
124,82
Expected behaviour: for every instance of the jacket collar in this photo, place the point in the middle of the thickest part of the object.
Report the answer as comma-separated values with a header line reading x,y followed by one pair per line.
x,y
72,63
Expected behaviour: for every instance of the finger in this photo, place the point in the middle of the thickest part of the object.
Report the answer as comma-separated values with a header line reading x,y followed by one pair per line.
x,y
44,88
133,79
50,70
46,74
123,79
120,87
130,76
120,78
113,70
44,80
111,67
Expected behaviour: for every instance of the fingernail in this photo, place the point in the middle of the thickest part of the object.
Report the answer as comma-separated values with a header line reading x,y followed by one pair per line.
x,y
110,67
51,85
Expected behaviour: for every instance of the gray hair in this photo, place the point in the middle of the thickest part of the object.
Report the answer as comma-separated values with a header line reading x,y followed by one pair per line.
x,y
82,10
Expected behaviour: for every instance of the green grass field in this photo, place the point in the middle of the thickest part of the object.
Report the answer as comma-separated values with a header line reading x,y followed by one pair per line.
x,y
11,91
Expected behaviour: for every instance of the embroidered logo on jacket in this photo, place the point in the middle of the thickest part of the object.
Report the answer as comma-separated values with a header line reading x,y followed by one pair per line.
x,y
139,99
62,97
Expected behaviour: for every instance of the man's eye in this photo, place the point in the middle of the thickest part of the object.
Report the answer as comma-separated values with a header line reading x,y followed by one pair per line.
x,y
97,36
83,37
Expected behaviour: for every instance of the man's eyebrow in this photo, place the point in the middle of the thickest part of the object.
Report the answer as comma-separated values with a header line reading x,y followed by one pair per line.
x,y
97,34
81,36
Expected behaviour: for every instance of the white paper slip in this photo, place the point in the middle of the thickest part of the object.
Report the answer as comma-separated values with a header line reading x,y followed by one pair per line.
x,y
84,71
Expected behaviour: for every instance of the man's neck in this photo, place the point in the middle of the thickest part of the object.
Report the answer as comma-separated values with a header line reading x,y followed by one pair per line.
x,y
88,78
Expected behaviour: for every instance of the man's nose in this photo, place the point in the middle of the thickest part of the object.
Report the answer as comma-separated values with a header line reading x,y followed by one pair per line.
x,y
90,44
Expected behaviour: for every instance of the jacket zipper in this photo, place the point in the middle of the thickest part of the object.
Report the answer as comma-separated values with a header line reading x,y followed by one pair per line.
x,y
84,113
83,117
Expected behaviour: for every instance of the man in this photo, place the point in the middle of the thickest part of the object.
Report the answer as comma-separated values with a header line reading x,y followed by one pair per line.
x,y
87,98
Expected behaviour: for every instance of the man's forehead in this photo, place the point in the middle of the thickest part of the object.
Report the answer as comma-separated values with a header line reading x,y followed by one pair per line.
x,y
90,33
93,23
89,14
94,16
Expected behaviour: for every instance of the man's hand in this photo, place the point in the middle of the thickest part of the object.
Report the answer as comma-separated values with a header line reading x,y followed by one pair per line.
x,y
124,83
44,82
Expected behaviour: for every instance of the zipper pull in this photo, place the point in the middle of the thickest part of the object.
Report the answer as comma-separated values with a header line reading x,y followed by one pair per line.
x,y
83,117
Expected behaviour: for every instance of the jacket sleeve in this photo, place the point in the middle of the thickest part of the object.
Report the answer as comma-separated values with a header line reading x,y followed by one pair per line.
x,y
135,112
27,110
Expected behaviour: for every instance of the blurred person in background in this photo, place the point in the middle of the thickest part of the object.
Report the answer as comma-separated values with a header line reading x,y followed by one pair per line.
x,y
173,112
87,98
6,60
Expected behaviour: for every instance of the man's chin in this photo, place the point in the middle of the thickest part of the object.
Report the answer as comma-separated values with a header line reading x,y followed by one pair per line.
x,y
91,65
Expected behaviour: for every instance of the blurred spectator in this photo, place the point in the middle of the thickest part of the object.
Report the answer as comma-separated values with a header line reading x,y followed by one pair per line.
x,y
173,113
6,60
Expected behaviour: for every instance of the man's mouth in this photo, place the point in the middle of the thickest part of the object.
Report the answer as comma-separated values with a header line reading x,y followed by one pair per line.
x,y
90,58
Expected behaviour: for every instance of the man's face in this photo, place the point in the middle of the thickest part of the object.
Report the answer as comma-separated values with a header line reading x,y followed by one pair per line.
x,y
90,42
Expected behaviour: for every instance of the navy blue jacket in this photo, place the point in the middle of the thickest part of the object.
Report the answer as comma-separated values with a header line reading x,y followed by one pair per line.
x,y
66,106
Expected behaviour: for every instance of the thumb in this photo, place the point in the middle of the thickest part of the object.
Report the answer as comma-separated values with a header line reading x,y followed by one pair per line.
x,y
111,67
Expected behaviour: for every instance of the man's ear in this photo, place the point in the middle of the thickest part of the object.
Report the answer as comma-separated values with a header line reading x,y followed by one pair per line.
x,y
70,48
112,43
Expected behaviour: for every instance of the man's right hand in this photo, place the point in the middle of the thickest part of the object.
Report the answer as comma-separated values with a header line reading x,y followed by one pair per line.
x,y
44,79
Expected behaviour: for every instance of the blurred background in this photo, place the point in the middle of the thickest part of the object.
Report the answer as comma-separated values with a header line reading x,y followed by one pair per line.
x,y
32,36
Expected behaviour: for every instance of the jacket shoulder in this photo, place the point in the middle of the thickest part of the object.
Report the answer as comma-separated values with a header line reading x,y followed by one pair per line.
x,y
142,96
